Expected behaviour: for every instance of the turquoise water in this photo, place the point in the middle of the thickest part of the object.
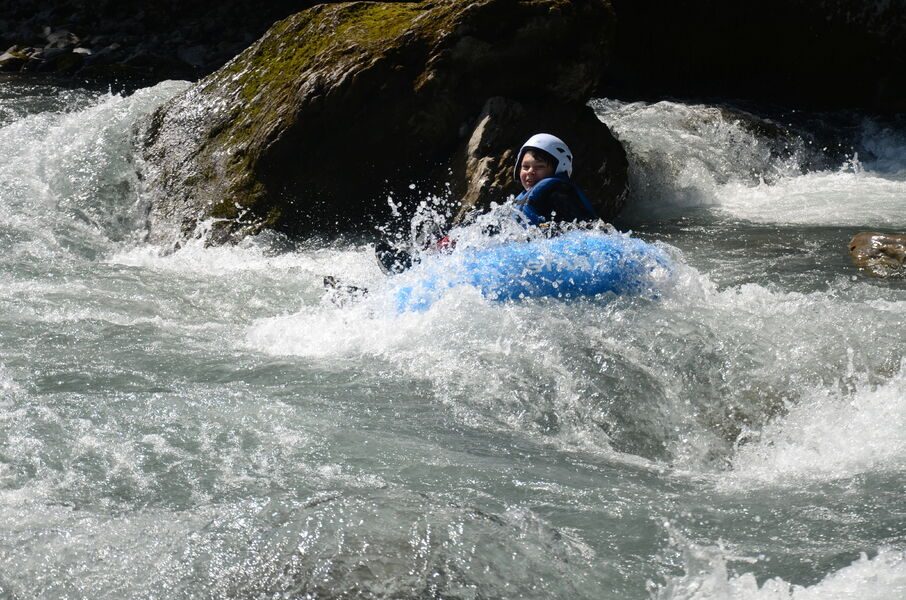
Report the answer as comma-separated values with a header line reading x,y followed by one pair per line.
x,y
207,424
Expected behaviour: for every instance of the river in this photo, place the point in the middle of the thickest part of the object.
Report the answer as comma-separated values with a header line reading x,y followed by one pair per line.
x,y
205,423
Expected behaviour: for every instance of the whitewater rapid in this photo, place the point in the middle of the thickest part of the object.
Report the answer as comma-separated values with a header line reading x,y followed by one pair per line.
x,y
213,413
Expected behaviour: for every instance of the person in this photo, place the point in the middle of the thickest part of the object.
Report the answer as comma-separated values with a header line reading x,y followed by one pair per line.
x,y
544,167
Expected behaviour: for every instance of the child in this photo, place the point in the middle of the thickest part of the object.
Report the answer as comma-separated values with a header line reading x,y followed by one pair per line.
x,y
543,167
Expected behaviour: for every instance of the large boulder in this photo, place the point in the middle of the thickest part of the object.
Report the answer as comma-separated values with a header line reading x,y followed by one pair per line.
x,y
340,106
879,254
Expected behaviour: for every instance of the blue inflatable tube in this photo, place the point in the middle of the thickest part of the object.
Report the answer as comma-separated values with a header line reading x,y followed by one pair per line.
x,y
575,264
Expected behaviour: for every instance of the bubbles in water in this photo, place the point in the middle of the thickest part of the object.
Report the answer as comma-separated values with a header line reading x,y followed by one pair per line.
x,y
854,199
210,410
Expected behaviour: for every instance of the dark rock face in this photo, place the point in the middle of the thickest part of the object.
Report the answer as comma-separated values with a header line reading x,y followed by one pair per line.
x,y
340,105
879,254
805,53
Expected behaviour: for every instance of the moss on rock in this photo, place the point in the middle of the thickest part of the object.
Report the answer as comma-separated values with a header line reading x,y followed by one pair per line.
x,y
337,106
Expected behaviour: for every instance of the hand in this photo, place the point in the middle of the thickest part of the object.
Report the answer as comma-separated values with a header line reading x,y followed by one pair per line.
x,y
445,244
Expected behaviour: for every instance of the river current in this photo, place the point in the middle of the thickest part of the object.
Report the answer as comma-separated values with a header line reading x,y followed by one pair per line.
x,y
206,423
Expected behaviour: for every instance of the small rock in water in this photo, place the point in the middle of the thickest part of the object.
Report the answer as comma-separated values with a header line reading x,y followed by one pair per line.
x,y
879,254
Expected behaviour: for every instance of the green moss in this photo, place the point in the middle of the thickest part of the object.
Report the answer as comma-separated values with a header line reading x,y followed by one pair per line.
x,y
263,83
369,23
265,78
224,210
277,64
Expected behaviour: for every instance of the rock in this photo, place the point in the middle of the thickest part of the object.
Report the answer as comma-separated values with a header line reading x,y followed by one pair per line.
x,y
340,105
50,53
65,61
879,254
147,64
166,24
106,54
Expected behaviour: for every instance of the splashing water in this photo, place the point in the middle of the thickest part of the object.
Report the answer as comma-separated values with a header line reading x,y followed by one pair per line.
x,y
708,578
212,414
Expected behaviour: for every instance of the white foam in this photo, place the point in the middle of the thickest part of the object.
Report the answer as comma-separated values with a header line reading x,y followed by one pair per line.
x,y
69,174
8,388
356,263
697,156
830,434
477,354
886,149
681,155
707,577
367,328
856,199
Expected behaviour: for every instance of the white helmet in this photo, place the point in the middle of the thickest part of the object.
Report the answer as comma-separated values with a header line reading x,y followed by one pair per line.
x,y
553,146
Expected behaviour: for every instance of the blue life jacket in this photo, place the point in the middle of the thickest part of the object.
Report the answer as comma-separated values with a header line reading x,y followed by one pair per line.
x,y
555,198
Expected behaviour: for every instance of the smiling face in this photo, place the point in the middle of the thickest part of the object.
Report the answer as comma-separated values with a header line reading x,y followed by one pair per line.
x,y
533,169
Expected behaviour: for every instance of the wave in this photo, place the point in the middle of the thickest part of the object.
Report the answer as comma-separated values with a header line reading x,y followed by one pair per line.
x,y
68,181
848,199
830,433
842,170
681,379
707,577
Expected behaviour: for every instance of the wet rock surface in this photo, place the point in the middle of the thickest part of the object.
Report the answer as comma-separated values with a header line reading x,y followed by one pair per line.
x,y
132,41
879,254
340,106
